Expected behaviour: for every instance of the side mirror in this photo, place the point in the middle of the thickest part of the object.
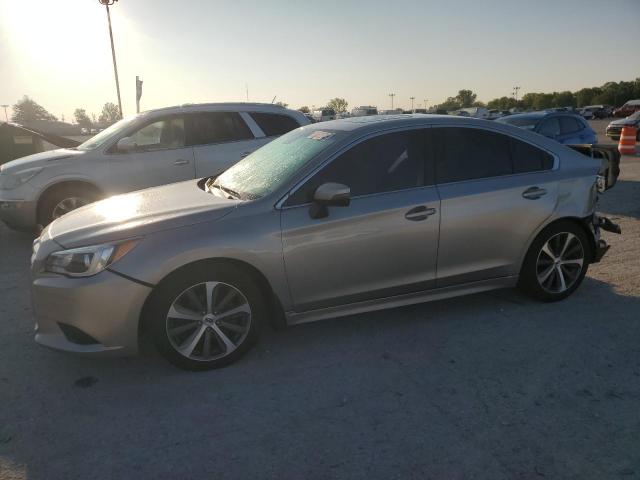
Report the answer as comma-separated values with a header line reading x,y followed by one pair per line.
x,y
329,195
126,144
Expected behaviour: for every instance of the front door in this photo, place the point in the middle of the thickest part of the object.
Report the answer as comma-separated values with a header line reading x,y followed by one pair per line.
x,y
383,244
159,157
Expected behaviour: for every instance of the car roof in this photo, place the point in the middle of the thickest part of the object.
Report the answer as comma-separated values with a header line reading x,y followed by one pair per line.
x,y
220,106
383,122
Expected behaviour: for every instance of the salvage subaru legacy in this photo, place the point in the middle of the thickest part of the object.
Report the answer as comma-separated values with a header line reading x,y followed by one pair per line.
x,y
331,219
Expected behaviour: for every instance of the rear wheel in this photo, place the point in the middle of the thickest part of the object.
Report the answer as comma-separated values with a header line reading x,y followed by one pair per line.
x,y
556,263
206,318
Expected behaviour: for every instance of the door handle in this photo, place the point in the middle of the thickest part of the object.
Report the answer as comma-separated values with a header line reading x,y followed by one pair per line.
x,y
419,213
534,193
181,162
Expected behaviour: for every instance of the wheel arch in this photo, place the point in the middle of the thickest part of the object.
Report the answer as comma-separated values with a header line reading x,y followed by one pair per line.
x,y
61,185
276,313
582,223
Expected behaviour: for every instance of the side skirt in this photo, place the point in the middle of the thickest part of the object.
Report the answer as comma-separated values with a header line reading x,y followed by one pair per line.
x,y
294,318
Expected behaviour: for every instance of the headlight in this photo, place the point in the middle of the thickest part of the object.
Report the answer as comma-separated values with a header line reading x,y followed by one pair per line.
x,y
9,181
87,261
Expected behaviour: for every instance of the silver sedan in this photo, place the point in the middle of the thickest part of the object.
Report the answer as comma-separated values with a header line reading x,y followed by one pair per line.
x,y
331,219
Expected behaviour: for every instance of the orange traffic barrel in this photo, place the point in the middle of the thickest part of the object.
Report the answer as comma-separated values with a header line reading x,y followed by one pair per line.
x,y
627,145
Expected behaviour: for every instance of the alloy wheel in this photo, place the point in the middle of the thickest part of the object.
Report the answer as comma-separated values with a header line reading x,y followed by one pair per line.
x,y
560,262
66,205
208,321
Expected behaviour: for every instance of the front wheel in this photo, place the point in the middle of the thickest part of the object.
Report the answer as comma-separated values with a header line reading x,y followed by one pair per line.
x,y
206,318
556,262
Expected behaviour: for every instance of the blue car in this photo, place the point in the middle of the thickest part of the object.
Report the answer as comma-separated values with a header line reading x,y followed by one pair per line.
x,y
565,128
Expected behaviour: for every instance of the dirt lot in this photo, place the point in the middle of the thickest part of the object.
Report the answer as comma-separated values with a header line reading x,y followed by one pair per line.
x,y
491,386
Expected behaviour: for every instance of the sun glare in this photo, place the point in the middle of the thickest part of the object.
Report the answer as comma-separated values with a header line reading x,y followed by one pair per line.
x,y
55,35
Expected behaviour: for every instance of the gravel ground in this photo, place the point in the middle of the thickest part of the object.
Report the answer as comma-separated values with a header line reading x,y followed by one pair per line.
x,y
491,386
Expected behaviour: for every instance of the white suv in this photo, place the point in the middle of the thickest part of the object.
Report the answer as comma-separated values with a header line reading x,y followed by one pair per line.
x,y
153,148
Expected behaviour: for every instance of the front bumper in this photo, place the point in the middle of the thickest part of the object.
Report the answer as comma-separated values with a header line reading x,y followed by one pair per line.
x,y
105,309
18,213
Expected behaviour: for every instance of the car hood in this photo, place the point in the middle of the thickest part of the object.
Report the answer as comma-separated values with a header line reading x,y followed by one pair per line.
x,y
139,213
624,121
41,159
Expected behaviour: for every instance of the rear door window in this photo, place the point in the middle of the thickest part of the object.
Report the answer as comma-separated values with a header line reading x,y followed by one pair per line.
x,y
550,127
216,127
274,124
470,153
570,125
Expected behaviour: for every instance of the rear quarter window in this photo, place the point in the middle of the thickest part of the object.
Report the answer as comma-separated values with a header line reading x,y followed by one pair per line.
x,y
527,158
274,124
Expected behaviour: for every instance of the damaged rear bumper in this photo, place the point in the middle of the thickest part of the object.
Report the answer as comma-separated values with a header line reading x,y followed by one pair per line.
x,y
601,246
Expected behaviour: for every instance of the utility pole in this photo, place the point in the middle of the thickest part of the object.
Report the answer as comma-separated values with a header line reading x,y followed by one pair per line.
x,y
5,112
425,103
138,93
412,99
392,95
106,3
246,85
515,92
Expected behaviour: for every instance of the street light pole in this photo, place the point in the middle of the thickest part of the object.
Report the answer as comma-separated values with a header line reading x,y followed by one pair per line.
x,y
412,99
106,3
5,112
392,95
515,92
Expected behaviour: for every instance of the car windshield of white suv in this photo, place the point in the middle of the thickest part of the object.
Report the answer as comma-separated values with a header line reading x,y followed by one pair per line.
x,y
99,139
269,167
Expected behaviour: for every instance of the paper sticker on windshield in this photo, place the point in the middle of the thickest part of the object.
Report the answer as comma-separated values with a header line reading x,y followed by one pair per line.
x,y
320,135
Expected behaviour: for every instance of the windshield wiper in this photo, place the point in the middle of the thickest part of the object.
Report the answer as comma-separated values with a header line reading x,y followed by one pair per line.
x,y
228,191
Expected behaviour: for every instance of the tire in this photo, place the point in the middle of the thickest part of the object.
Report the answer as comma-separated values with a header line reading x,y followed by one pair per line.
x,y
62,200
180,320
541,276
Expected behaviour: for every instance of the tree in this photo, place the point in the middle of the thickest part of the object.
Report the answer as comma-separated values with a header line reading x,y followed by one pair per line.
x,y
110,114
338,104
282,104
27,111
82,118
465,98
304,109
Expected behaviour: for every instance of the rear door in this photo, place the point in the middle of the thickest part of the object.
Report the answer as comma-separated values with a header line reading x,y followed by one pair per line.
x,y
495,191
160,157
219,139
384,243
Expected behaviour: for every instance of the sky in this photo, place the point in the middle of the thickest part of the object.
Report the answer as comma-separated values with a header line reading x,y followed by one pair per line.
x,y
307,52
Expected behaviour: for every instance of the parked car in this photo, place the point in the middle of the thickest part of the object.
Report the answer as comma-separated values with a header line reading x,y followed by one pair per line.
x,y
364,111
331,219
627,109
587,113
563,127
18,141
476,112
614,129
153,148
596,111
324,114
